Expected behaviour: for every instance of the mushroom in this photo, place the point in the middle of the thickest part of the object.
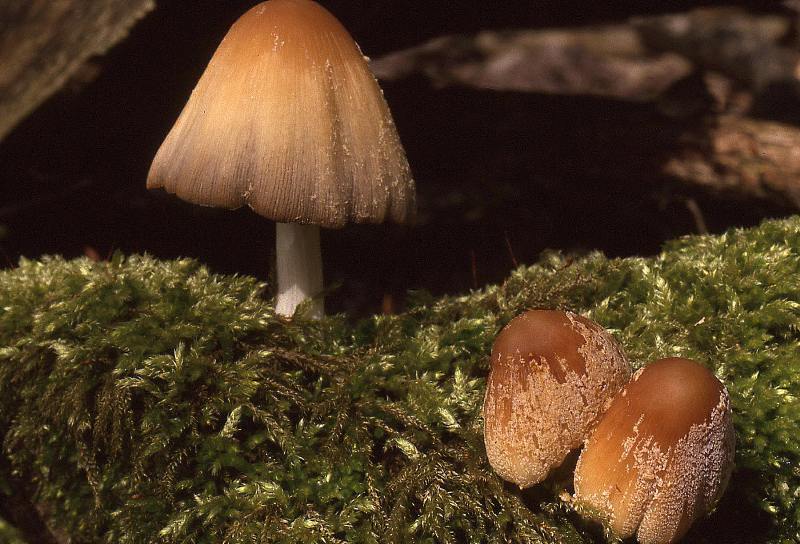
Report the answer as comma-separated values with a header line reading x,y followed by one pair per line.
x,y
662,454
552,374
288,119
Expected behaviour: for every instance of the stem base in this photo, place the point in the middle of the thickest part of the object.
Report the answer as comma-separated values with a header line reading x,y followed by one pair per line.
x,y
299,269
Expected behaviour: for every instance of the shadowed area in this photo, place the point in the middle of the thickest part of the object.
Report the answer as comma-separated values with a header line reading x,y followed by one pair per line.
x,y
500,176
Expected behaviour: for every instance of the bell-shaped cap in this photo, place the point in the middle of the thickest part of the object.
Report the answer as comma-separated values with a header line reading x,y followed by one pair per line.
x,y
662,454
552,374
288,119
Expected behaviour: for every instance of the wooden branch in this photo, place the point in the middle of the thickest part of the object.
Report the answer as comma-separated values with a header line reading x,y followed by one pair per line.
x,y
740,156
44,42
728,156
606,61
738,44
633,61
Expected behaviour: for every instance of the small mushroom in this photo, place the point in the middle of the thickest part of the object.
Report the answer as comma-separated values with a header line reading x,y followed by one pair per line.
x,y
288,119
552,374
661,455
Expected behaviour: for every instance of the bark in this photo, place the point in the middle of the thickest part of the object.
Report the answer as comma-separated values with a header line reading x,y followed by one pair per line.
x,y
44,42
740,156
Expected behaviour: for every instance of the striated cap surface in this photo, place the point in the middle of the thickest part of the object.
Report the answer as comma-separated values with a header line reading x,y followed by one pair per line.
x,y
288,119
552,374
661,455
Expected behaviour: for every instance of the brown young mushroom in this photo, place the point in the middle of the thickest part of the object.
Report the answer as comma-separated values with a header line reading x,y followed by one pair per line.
x,y
288,119
552,374
661,455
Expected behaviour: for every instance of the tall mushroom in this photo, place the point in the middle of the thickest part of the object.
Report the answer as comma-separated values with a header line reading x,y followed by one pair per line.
x,y
288,119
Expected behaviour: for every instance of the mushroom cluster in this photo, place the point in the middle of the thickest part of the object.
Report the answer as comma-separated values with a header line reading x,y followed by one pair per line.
x,y
658,449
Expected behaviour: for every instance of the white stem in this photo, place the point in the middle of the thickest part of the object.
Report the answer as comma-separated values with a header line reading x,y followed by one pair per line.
x,y
299,269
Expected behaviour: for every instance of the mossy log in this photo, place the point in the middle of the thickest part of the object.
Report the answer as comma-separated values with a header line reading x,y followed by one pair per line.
x,y
44,42
149,401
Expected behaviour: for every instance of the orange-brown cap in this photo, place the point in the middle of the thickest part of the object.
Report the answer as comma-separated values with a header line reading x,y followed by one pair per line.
x,y
661,455
288,119
552,374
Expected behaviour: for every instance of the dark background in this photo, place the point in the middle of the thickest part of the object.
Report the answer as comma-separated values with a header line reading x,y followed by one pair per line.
x,y
494,170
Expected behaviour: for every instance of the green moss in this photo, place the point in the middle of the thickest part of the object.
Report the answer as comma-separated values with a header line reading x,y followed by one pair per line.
x,y
145,401
9,535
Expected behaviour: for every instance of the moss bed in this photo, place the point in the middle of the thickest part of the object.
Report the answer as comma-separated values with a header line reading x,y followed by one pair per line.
x,y
151,401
